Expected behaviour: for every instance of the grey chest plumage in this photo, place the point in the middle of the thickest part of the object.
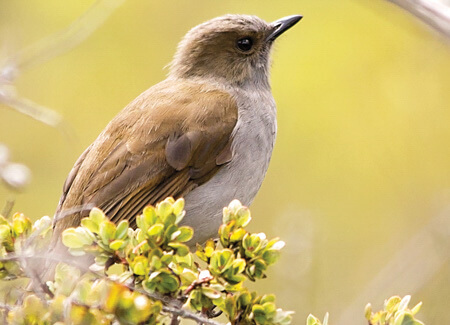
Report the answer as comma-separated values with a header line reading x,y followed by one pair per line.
x,y
253,141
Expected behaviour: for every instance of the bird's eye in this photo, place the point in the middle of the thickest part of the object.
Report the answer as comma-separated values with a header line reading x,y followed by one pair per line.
x,y
245,44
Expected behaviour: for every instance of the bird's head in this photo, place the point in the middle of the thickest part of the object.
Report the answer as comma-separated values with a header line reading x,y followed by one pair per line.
x,y
232,48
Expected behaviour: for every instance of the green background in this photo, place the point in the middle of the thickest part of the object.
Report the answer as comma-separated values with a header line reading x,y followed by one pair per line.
x,y
359,183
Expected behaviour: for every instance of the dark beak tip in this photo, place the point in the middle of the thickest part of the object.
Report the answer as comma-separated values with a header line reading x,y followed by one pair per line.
x,y
283,24
296,18
289,21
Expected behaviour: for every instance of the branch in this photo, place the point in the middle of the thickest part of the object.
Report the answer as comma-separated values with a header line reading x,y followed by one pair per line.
x,y
27,107
186,314
170,305
68,38
6,306
44,50
433,12
7,209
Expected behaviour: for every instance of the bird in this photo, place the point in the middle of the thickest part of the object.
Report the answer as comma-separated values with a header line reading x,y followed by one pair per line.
x,y
205,133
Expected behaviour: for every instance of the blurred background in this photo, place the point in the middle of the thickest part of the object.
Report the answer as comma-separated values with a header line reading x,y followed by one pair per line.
x,y
359,183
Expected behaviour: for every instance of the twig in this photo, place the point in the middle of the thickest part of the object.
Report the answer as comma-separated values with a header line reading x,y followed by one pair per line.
x,y
5,306
185,314
175,320
433,12
27,107
36,283
68,212
8,208
68,38
44,50
170,305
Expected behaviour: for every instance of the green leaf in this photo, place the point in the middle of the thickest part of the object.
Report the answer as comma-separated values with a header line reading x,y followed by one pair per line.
x,y
167,258
237,235
140,235
271,256
406,318
171,232
226,215
175,234
185,235
416,308
71,239
107,231
211,293
178,207
251,244
234,280
391,305
404,303
139,265
85,235
149,215
238,265
90,224
243,217
3,220
187,277
179,217
275,244
11,267
97,215
122,229
66,278
312,320
245,299
180,248
234,206
117,244
259,314
221,261
20,225
164,209
6,236
163,282
194,301
140,223
230,306
33,307
269,309
77,251
156,263
101,259
368,311
170,220
155,230
267,298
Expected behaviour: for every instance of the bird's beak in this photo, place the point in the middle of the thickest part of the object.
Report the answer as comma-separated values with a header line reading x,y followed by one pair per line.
x,y
281,25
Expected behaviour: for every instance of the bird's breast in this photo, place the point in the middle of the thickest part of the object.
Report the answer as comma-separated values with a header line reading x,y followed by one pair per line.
x,y
253,141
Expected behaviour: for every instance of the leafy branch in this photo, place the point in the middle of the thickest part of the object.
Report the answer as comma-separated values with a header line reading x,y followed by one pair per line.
x,y
148,275
156,277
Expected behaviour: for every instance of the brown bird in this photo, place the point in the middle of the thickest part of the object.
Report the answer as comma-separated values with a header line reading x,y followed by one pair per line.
x,y
205,133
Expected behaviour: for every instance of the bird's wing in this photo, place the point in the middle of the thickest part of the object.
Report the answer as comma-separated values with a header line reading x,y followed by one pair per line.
x,y
70,178
169,140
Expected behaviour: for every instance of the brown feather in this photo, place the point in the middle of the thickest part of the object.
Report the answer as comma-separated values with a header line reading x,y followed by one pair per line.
x,y
71,176
160,145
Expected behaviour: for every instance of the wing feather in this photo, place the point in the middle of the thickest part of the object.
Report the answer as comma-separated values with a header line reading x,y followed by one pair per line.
x,y
169,140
